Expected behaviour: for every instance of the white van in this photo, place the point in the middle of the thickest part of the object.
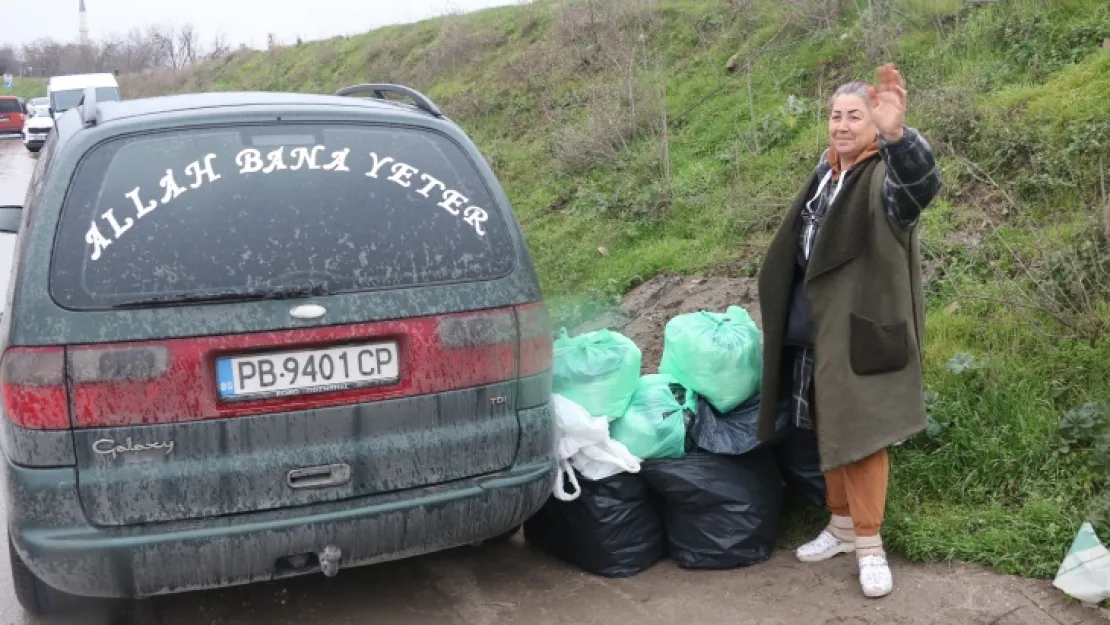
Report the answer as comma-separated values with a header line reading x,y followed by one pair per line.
x,y
65,92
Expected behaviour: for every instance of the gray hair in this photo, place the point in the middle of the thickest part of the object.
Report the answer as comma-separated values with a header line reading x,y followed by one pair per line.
x,y
857,89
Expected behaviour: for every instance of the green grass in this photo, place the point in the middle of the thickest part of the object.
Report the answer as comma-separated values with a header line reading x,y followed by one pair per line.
x,y
1013,96
25,87
987,485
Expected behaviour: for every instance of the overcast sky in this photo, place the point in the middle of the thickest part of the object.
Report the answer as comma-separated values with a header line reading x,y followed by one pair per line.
x,y
241,21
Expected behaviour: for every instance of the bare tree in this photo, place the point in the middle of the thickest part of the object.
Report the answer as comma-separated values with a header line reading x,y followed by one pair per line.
x,y
156,46
44,54
9,59
187,44
219,48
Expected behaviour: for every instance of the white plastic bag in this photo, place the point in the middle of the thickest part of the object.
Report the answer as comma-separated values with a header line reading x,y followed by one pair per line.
x,y
584,444
1085,572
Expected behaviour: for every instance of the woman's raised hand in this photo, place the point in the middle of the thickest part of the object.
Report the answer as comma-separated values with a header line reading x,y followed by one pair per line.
x,y
888,102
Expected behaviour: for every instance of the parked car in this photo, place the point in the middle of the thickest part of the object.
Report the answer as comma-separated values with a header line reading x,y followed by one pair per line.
x,y
38,106
258,335
37,124
65,92
11,114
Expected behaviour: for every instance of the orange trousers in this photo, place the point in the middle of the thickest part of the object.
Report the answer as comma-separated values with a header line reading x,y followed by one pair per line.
x,y
857,490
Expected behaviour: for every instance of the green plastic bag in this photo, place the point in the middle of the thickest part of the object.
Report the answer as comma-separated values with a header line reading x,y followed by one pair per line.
x,y
717,355
654,426
597,370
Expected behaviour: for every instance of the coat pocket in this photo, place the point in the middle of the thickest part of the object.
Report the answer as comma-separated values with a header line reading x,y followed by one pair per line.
x,y
876,348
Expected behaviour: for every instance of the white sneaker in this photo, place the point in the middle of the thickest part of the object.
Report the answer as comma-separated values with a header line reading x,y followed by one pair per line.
x,y
875,577
823,547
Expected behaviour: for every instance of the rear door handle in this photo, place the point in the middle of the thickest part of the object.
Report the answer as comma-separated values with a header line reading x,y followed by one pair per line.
x,y
319,477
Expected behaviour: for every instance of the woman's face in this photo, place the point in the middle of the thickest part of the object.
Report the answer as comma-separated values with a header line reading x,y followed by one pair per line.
x,y
850,127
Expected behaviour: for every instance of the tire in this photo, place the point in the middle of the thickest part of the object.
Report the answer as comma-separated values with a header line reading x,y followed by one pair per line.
x,y
32,593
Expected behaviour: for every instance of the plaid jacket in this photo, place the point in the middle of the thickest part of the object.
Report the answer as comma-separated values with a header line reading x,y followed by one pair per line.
x,y
912,180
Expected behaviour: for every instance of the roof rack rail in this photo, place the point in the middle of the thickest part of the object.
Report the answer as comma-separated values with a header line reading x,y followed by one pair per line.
x,y
379,91
87,107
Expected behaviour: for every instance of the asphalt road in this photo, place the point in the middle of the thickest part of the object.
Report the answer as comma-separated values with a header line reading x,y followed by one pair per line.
x,y
502,584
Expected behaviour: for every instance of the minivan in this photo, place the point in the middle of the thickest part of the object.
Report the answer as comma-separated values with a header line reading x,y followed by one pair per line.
x,y
258,335
11,114
65,92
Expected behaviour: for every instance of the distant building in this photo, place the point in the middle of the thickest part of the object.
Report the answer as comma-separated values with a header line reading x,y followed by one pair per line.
x,y
84,24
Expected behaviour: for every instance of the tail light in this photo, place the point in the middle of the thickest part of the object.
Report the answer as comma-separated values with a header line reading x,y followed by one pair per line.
x,y
124,384
480,344
34,387
536,345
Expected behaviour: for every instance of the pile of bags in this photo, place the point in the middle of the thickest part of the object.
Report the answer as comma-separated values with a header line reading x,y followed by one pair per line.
x,y
669,463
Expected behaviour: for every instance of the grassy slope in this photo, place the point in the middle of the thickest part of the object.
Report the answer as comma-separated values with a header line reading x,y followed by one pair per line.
x,y
26,87
1013,96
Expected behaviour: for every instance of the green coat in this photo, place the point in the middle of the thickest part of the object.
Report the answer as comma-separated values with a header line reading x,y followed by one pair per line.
x,y
866,299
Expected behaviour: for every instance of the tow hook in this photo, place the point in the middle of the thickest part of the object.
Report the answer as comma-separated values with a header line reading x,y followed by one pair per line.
x,y
329,560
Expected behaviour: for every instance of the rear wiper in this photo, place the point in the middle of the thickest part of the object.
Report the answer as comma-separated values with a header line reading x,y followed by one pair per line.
x,y
231,295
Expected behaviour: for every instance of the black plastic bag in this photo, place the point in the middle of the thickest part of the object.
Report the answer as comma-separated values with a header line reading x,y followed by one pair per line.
x,y
733,433
721,511
614,528
800,463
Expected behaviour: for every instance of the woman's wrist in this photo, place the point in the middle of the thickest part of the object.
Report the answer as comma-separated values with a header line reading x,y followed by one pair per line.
x,y
894,137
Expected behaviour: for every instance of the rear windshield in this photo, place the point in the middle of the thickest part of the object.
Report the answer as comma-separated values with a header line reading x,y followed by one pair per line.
x,y
177,216
10,105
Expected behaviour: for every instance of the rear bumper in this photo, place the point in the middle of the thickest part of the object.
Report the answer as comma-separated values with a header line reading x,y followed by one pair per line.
x,y
49,532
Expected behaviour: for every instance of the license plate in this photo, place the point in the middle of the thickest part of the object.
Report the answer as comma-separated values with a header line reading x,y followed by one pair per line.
x,y
286,374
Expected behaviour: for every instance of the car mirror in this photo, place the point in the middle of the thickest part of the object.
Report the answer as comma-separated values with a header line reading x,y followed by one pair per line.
x,y
10,217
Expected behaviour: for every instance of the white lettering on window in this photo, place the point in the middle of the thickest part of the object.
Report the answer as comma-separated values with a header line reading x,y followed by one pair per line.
x,y
339,161
97,240
277,161
141,210
171,187
475,217
305,157
402,173
452,201
432,183
116,227
378,164
194,169
249,161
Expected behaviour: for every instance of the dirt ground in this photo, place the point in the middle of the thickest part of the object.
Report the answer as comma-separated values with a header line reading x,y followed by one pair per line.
x,y
791,592
645,311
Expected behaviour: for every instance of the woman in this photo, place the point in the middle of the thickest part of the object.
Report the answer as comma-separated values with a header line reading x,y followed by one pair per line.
x,y
841,297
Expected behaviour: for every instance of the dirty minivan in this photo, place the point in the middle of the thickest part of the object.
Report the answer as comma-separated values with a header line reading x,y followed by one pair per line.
x,y
11,114
259,335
